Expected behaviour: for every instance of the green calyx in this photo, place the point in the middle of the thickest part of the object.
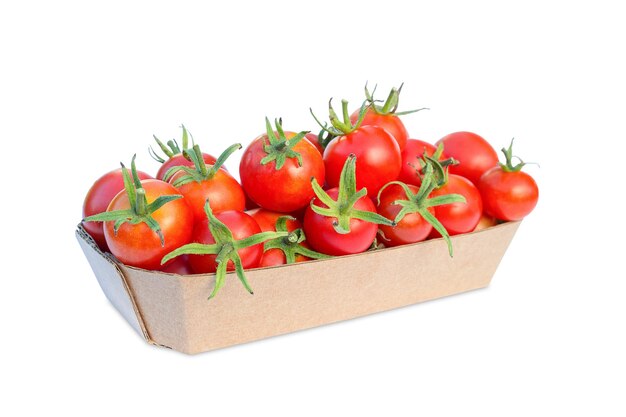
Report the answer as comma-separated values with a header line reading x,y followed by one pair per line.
x,y
420,202
290,245
389,106
225,248
279,147
508,165
172,147
200,171
324,137
343,208
140,211
338,127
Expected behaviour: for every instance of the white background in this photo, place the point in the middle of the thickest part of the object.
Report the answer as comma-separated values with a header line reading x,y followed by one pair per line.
x,y
83,86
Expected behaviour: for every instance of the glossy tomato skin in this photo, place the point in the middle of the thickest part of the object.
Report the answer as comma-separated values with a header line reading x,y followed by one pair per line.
x,y
266,219
287,189
267,222
508,195
180,160
223,192
475,154
412,228
312,137
98,199
485,222
413,151
179,265
458,218
323,238
390,122
274,257
378,158
241,226
137,245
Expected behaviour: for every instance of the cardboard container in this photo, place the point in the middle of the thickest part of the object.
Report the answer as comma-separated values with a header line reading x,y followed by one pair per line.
x,y
173,311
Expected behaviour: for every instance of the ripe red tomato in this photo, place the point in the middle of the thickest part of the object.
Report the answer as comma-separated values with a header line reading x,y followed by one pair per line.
x,y
412,228
138,245
475,154
508,195
180,160
274,257
485,222
413,151
285,188
321,234
223,190
390,122
378,158
458,217
98,199
312,137
179,265
241,226
266,220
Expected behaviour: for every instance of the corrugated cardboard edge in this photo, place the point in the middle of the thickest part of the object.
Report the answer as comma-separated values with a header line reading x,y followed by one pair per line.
x,y
113,283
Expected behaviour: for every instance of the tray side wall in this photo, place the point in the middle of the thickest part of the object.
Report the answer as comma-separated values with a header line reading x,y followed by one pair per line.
x,y
314,293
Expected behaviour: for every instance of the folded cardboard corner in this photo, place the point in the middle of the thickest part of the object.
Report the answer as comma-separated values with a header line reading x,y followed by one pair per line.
x,y
173,311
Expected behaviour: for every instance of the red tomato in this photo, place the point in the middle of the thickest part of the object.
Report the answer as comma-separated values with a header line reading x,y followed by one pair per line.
x,y
378,158
179,265
475,154
288,188
274,257
412,228
508,195
266,220
323,238
413,151
458,217
241,226
485,222
390,122
98,199
223,190
180,160
312,137
136,244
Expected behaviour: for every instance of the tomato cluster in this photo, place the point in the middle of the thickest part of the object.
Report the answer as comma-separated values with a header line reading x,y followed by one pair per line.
x,y
360,184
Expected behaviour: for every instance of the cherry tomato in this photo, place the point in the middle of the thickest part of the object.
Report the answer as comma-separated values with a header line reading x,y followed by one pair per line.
x,y
266,220
274,257
180,160
475,154
508,195
98,199
390,122
312,137
413,151
136,244
378,158
458,217
241,226
223,190
179,265
412,228
485,222
287,188
323,238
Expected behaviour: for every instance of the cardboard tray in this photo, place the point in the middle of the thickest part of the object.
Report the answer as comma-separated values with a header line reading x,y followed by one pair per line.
x,y
173,311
